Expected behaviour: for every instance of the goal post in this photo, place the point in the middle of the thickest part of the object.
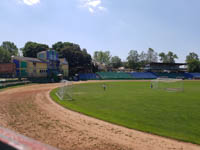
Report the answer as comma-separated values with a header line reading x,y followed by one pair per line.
x,y
168,84
65,92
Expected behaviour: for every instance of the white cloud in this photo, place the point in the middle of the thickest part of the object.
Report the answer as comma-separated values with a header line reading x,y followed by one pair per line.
x,y
30,2
92,5
102,8
91,10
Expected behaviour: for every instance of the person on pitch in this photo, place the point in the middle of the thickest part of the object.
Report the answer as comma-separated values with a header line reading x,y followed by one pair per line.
x,y
151,85
104,87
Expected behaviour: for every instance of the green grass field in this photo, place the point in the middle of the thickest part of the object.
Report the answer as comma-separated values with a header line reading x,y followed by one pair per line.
x,y
135,105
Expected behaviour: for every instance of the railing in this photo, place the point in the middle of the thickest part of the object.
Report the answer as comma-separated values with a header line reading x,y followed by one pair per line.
x,y
10,140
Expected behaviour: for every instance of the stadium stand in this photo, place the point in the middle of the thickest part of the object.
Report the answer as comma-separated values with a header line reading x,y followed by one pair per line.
x,y
143,75
193,75
88,76
136,75
114,75
188,75
170,75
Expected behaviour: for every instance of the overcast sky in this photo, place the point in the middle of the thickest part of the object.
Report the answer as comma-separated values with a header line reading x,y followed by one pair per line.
x,y
114,25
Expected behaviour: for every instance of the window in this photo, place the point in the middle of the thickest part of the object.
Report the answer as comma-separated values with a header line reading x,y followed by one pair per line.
x,y
43,71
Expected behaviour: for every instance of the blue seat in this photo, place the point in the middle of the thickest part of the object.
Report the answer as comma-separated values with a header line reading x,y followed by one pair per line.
x,y
143,75
88,76
195,75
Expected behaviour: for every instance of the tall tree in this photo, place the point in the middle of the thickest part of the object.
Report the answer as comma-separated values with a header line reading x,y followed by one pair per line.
x,y
152,56
194,66
32,48
193,62
163,57
116,62
102,57
143,59
133,59
143,56
192,56
11,47
125,64
172,57
168,58
78,58
5,55
59,45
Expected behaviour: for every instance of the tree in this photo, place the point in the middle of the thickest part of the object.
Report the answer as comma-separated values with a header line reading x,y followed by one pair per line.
x,y
116,62
78,59
152,56
133,59
193,62
163,57
5,55
32,48
192,56
125,64
59,45
194,66
11,47
143,59
172,57
102,57
168,58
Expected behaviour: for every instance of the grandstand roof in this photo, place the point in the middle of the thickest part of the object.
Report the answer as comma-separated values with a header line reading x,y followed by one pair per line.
x,y
157,66
169,64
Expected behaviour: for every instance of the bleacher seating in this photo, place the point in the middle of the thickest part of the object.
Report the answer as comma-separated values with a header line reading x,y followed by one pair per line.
x,y
194,75
170,75
114,75
143,75
188,76
88,76
136,75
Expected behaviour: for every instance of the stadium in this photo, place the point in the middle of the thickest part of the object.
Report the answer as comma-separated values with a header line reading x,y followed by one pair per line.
x,y
99,75
158,104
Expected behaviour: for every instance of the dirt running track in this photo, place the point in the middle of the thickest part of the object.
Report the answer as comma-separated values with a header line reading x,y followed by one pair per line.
x,y
30,111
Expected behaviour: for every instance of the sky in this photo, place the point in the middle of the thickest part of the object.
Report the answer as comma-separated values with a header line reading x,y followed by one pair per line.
x,y
115,25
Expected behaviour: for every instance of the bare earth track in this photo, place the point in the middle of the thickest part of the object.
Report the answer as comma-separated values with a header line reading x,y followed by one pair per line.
x,y
29,111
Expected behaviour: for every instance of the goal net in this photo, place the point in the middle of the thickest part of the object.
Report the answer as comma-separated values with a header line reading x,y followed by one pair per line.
x,y
65,90
168,84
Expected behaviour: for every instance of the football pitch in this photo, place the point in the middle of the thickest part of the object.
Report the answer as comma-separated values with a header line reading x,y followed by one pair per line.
x,y
135,105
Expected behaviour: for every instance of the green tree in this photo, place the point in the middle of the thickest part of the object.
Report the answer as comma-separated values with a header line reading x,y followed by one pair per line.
x,y
193,62
172,57
11,47
78,58
32,48
163,57
192,56
5,55
125,64
133,59
116,62
151,56
194,66
143,59
102,57
168,58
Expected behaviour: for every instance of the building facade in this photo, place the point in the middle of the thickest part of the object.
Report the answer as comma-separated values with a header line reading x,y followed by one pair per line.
x,y
47,64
